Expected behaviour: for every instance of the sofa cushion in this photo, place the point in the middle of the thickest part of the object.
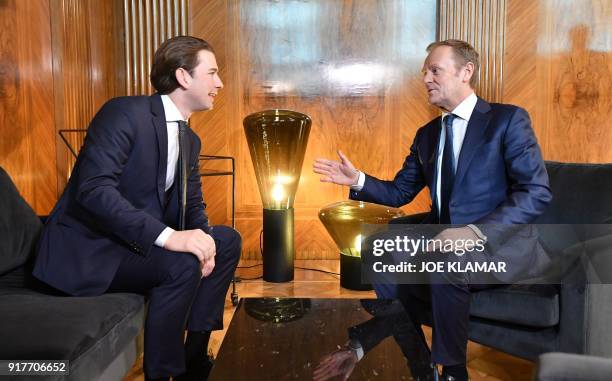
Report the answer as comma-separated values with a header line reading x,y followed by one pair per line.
x,y
19,227
528,305
39,326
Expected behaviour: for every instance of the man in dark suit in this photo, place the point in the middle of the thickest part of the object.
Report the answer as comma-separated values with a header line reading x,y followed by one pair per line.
x,y
482,165
132,217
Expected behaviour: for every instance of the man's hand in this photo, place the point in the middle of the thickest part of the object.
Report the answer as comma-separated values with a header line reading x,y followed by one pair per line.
x,y
339,363
465,235
338,172
197,243
207,267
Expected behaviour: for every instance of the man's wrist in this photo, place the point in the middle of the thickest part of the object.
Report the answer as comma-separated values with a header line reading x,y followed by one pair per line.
x,y
360,181
478,232
163,237
355,346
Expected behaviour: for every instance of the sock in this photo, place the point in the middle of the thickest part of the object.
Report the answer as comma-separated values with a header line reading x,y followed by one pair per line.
x,y
458,371
196,346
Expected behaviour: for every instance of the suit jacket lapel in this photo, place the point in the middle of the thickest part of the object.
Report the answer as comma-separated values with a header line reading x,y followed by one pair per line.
x,y
161,130
473,138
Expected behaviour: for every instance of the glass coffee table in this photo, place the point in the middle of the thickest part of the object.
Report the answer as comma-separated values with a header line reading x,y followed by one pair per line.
x,y
285,338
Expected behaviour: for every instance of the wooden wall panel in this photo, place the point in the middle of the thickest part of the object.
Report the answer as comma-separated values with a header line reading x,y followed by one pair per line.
x,y
482,23
87,68
559,66
26,101
210,21
353,66
148,23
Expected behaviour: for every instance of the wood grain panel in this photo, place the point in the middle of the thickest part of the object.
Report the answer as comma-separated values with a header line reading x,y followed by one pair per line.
x,y
353,66
148,23
482,23
87,68
210,21
26,101
559,66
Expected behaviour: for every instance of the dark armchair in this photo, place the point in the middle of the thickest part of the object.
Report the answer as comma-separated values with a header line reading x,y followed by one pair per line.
x,y
528,320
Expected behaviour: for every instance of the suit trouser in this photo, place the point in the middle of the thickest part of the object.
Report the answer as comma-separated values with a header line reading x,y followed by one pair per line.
x,y
446,295
448,300
178,295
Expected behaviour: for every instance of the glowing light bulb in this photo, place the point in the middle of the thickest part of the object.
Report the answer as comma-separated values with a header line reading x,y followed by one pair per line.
x,y
278,192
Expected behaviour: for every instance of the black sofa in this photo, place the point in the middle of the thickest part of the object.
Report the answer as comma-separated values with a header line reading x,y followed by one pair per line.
x,y
527,320
97,335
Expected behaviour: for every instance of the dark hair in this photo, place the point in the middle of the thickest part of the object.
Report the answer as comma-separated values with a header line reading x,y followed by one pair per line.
x,y
174,53
463,53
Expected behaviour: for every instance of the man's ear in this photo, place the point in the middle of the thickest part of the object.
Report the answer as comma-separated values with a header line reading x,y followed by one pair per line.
x,y
182,77
468,72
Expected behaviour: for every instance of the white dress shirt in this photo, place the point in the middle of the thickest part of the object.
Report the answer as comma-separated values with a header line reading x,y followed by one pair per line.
x,y
172,116
463,112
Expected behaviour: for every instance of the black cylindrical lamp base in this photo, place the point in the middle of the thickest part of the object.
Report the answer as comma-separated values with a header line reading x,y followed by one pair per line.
x,y
278,249
350,273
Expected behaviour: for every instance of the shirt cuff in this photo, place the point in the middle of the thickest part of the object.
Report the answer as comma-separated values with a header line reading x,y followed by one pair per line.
x,y
478,232
355,346
360,181
163,236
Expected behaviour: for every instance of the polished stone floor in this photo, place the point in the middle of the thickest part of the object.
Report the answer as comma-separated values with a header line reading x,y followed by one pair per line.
x,y
484,364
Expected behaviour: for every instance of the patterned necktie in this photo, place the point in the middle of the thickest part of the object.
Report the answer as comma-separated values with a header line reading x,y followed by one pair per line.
x,y
182,172
447,172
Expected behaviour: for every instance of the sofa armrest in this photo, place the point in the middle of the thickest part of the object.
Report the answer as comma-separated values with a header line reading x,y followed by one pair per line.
x,y
570,367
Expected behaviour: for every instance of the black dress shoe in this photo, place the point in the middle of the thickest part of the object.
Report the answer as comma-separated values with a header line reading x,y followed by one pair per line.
x,y
198,371
447,377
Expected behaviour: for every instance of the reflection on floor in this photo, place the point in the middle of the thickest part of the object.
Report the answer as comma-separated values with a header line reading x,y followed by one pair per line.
x,y
484,364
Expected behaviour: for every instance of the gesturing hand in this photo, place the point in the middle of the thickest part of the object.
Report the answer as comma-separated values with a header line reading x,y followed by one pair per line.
x,y
339,363
196,242
338,172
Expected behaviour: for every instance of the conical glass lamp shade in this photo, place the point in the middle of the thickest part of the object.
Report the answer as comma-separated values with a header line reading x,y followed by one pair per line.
x,y
344,222
277,141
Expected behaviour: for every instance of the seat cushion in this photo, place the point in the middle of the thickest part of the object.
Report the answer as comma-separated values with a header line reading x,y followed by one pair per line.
x,y
40,326
528,305
19,227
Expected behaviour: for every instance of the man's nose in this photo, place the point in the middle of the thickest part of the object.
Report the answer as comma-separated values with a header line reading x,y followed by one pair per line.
x,y
219,84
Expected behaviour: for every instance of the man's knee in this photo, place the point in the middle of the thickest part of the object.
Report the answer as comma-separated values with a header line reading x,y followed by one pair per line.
x,y
185,267
229,240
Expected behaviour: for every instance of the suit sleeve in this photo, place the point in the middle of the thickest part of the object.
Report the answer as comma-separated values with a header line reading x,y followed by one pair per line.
x,y
371,332
195,215
107,148
529,192
407,183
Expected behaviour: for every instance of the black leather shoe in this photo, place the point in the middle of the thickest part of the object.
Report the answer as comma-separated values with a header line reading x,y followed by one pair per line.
x,y
198,371
425,373
446,377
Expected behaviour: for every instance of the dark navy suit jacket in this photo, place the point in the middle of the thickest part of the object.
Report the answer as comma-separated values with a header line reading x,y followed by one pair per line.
x,y
115,204
500,178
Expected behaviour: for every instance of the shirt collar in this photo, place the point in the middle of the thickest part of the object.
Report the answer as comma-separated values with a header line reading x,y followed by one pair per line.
x,y
465,108
170,110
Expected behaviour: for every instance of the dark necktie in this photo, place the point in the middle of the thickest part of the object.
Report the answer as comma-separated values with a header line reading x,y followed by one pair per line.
x,y
447,178
182,172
